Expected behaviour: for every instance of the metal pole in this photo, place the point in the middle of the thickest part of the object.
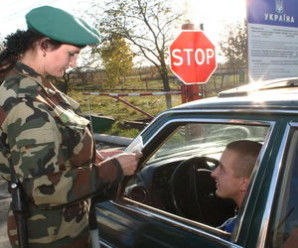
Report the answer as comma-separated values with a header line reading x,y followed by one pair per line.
x,y
133,106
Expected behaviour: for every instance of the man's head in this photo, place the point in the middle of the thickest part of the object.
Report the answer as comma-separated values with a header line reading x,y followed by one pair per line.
x,y
232,175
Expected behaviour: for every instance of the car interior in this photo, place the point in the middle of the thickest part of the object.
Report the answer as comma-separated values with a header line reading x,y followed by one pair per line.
x,y
176,176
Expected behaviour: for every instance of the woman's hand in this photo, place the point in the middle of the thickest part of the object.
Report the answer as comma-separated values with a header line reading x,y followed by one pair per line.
x,y
106,153
129,162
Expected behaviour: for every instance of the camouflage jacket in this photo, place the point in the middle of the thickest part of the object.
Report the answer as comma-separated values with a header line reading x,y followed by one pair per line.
x,y
51,149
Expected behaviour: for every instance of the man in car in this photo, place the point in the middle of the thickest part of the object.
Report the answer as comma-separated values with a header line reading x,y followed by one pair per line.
x,y
232,175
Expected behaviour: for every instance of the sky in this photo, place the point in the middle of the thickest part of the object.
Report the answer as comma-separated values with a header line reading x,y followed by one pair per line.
x,y
12,12
212,13
216,14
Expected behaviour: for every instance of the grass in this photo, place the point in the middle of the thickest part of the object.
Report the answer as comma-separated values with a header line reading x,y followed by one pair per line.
x,y
153,105
109,106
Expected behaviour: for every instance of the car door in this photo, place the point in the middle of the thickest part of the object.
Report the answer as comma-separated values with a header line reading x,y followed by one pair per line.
x,y
282,205
149,212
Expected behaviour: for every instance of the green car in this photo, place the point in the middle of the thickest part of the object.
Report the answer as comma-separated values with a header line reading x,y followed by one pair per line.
x,y
171,200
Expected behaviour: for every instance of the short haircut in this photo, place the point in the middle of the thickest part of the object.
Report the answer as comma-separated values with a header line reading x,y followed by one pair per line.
x,y
248,153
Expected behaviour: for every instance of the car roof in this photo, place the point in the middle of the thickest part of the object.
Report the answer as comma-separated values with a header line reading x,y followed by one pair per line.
x,y
280,94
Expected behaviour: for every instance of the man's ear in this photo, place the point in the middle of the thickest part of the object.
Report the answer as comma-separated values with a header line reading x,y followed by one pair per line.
x,y
244,184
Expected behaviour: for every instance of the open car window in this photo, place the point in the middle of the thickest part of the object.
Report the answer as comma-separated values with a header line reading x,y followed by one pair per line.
x,y
200,139
176,177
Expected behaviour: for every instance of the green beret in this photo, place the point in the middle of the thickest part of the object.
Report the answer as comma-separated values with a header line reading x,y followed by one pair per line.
x,y
61,26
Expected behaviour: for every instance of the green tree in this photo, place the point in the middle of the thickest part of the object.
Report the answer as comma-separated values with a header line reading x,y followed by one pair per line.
x,y
234,46
148,25
117,59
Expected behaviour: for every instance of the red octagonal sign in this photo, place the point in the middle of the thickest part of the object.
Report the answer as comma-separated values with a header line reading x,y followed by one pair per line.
x,y
193,57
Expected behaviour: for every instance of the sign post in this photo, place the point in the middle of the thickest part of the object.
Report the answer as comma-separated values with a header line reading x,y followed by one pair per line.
x,y
192,59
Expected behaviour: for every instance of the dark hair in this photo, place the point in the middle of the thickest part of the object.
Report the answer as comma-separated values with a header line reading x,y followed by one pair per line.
x,y
17,44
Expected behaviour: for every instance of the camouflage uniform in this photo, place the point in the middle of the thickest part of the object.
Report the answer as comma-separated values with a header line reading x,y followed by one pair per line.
x,y
51,149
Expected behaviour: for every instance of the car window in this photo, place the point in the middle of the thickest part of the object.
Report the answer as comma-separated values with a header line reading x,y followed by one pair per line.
x,y
206,139
283,231
176,177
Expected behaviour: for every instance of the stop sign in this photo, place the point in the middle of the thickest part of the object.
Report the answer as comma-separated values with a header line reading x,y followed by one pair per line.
x,y
193,57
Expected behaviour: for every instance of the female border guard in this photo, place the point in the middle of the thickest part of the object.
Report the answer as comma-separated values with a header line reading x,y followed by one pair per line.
x,y
48,144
